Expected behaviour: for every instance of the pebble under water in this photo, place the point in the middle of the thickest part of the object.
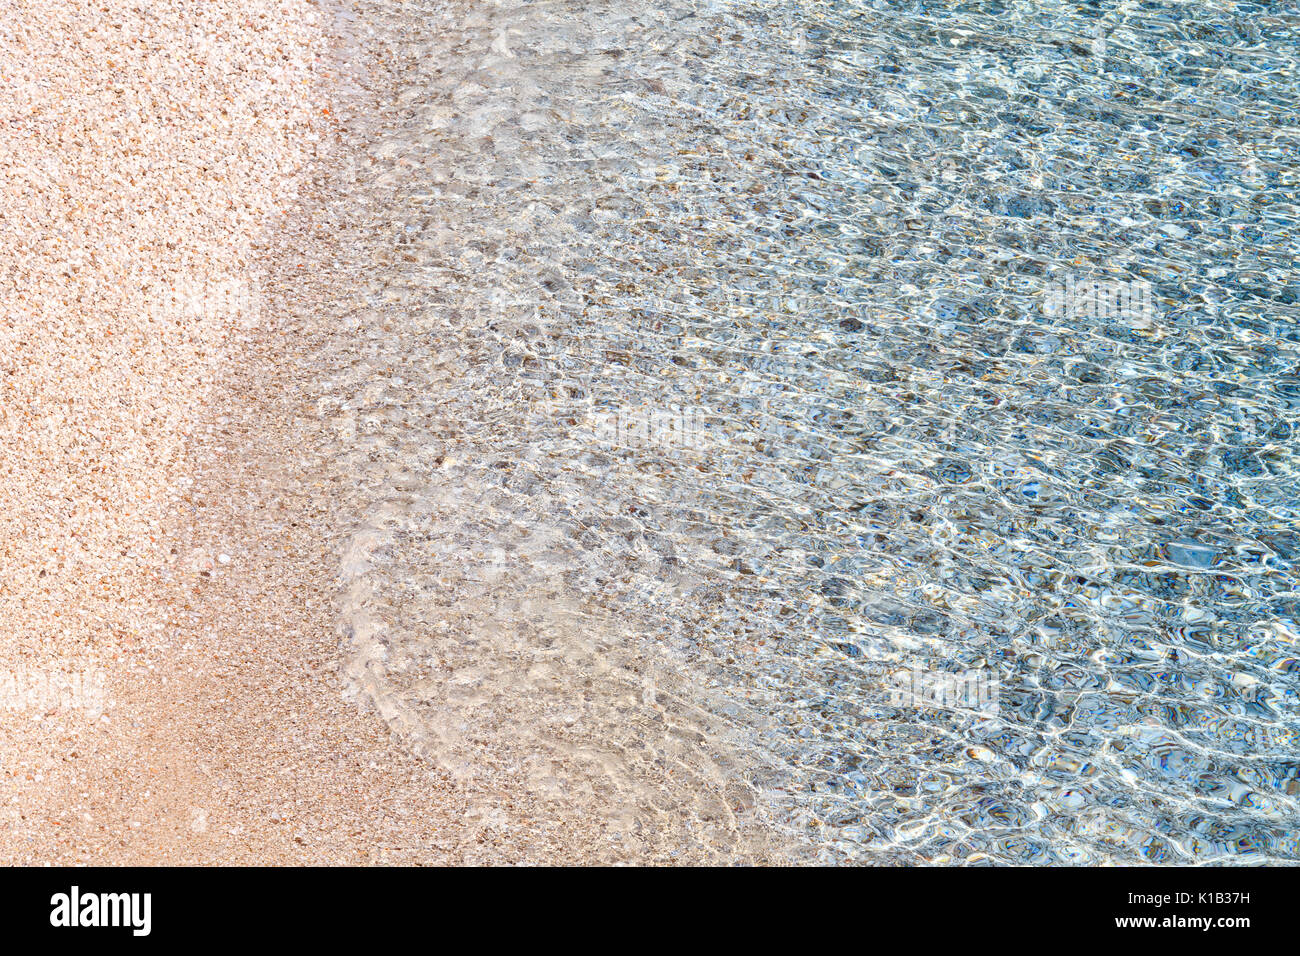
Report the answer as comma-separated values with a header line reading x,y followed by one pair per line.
x,y
741,384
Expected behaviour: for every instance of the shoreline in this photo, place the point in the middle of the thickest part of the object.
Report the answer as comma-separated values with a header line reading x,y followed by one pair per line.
x,y
643,433
231,735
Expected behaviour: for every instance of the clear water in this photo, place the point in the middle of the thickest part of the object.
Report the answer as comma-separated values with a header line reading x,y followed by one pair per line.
x,y
722,362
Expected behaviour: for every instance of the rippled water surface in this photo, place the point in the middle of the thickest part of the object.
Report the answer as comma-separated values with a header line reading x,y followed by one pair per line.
x,y
726,364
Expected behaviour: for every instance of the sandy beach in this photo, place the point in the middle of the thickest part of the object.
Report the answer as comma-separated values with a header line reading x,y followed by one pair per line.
x,y
147,148
650,432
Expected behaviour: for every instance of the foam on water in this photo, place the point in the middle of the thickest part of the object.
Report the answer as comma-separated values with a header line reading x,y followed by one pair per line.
x,y
727,367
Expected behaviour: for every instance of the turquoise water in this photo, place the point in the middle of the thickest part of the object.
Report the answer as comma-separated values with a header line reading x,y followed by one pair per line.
x,y
880,415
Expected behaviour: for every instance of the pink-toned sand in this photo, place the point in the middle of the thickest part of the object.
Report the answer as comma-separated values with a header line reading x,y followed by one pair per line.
x,y
149,154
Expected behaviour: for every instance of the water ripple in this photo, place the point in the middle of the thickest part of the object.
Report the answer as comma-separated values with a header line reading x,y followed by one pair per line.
x,y
747,361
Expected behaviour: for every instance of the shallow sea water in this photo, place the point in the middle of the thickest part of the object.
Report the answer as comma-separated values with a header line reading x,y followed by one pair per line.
x,y
728,364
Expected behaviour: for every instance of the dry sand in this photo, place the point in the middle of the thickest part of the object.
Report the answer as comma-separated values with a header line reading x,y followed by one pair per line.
x,y
145,148
175,222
